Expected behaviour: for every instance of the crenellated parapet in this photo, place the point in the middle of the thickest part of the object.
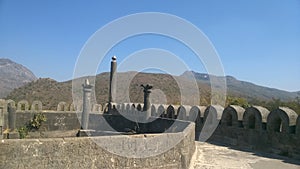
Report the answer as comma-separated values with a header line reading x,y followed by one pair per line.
x,y
97,108
275,130
182,112
254,117
23,105
62,106
282,119
213,114
233,116
196,115
257,118
36,105
161,111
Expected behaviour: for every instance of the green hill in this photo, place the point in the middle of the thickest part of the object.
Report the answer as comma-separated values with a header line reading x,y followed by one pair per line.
x,y
51,92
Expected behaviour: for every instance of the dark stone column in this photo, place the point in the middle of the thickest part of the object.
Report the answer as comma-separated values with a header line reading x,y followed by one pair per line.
x,y
11,109
1,122
87,89
147,92
112,82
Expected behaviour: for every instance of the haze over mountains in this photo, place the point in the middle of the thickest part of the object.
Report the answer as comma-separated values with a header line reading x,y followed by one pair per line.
x,y
13,75
51,92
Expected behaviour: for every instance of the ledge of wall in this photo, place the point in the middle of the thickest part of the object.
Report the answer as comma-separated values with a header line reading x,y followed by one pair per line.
x,y
84,152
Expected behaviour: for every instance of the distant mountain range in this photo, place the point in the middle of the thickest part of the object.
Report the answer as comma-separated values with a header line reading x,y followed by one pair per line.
x,y
18,83
247,90
51,92
13,75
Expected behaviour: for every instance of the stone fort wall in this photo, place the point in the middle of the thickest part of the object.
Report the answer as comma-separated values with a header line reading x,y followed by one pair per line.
x,y
255,128
85,152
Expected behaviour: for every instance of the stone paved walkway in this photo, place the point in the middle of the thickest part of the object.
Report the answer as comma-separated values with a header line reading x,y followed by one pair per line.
x,y
210,156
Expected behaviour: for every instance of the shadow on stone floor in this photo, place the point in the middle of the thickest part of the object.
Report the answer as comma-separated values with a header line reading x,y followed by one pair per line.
x,y
284,159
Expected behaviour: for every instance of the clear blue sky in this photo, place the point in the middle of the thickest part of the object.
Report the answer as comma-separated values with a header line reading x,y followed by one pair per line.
x,y
257,41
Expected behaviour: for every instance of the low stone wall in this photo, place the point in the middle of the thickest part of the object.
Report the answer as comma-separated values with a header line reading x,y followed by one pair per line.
x,y
84,152
61,121
56,120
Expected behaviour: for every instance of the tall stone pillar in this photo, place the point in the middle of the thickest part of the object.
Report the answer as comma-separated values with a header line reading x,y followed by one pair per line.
x,y
87,90
112,81
11,109
147,92
1,122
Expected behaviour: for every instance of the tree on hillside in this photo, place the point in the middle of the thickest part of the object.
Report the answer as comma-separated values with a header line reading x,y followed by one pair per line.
x,y
237,101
